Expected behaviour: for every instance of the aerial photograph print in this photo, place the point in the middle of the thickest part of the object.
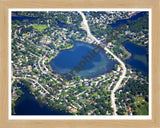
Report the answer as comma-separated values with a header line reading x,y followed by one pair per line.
x,y
83,62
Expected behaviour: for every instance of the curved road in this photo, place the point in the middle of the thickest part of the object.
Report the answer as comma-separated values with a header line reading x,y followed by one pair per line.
x,y
40,65
121,62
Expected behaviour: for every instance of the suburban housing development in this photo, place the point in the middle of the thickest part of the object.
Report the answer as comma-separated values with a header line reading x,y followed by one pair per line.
x,y
80,62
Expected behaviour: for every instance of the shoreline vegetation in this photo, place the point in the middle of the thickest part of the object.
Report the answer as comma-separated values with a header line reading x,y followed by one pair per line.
x,y
41,102
52,57
128,53
58,51
17,93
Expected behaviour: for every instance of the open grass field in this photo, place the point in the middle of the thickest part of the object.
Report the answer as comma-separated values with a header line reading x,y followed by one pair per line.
x,y
141,106
142,110
39,27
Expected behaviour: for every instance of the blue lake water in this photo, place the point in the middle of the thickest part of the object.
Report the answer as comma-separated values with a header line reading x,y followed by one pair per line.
x,y
28,105
21,18
124,21
139,58
66,60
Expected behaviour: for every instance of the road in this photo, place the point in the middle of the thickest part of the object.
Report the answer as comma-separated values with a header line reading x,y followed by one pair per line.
x,y
85,22
40,65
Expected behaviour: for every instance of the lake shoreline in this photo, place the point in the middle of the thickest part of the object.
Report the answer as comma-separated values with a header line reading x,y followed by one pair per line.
x,y
35,104
139,58
77,57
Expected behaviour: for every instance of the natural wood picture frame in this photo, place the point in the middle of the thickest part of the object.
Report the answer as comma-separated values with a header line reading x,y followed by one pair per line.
x,y
4,9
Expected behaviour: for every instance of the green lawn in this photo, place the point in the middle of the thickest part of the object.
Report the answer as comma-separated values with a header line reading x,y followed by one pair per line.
x,y
142,110
39,27
141,106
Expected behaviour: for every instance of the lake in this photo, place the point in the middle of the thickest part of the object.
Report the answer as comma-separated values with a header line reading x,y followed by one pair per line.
x,y
139,58
66,60
28,105
21,18
124,21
